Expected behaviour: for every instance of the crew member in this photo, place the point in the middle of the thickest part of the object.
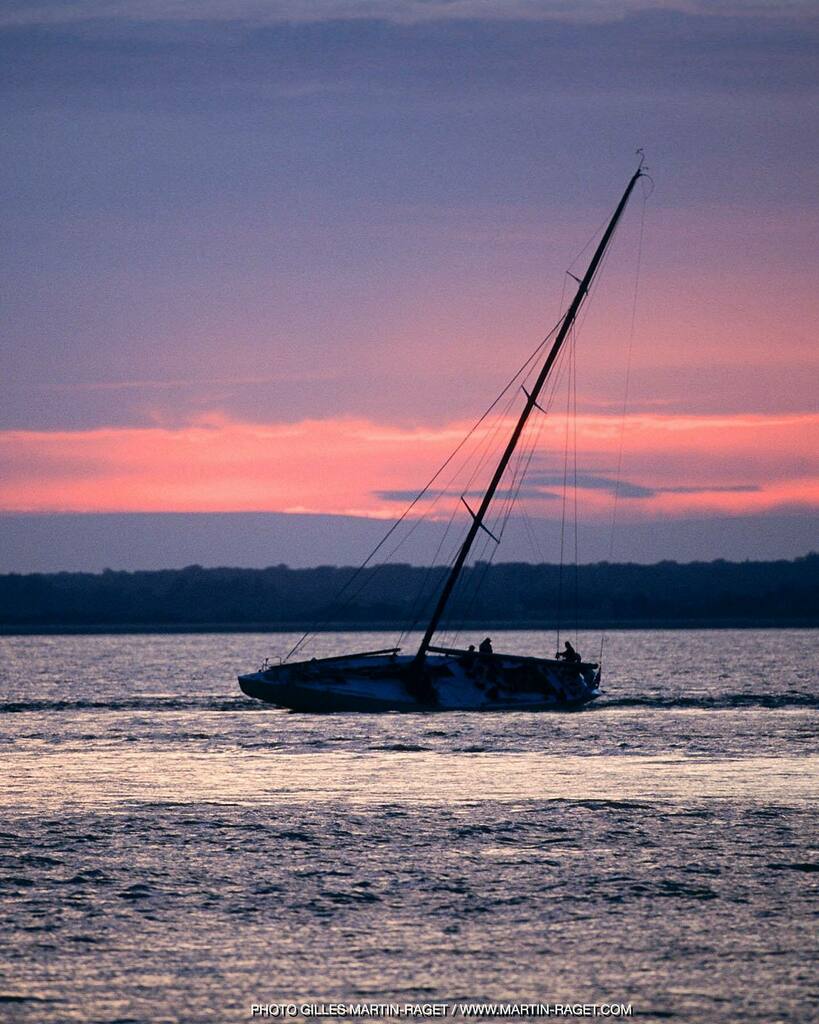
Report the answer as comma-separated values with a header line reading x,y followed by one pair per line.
x,y
568,653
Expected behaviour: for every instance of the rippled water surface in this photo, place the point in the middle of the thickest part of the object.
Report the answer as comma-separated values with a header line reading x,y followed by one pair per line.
x,y
171,850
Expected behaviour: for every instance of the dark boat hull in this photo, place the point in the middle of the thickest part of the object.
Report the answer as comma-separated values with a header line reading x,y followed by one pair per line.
x,y
460,681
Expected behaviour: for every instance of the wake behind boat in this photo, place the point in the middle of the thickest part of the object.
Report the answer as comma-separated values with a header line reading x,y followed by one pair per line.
x,y
449,678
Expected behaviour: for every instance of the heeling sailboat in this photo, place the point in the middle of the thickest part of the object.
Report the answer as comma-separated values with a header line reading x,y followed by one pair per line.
x,y
441,678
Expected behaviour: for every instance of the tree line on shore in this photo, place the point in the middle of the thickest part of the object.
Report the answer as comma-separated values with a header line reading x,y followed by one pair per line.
x,y
517,594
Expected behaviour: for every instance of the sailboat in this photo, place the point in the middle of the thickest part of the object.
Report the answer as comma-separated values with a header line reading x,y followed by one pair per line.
x,y
436,678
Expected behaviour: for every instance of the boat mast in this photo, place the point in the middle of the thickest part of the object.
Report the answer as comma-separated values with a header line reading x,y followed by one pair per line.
x,y
531,402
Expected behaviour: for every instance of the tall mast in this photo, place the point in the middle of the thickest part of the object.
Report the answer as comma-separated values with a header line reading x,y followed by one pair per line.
x,y
531,402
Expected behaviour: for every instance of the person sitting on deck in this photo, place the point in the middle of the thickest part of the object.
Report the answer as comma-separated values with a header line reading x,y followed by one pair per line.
x,y
485,646
569,653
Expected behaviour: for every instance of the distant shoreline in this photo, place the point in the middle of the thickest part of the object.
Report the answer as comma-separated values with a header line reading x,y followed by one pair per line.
x,y
668,595
136,629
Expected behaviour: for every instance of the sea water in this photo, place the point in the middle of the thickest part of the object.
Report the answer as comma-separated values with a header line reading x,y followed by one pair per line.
x,y
173,851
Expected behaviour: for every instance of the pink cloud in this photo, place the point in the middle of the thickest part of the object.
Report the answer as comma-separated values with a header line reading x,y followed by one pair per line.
x,y
683,464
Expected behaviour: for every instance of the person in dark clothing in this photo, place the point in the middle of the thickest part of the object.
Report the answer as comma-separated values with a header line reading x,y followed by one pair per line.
x,y
568,653
485,646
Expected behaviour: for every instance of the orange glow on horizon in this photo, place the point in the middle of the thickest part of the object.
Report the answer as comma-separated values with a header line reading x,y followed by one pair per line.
x,y
685,464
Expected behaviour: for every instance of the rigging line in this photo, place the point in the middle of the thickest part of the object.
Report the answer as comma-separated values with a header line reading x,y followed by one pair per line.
x,y
596,234
450,480
596,283
563,289
473,583
466,589
574,485
480,450
551,384
469,586
515,497
367,579
478,572
479,453
452,580
499,523
526,460
482,566
451,562
490,439
519,475
443,492
570,340
375,570
537,550
519,470
555,383
576,330
566,367
572,418
560,370
559,373
431,567
418,604
529,456
584,311
626,386
514,493
432,480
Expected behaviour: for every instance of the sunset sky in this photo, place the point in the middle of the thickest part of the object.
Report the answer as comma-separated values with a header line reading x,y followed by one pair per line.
x,y
278,257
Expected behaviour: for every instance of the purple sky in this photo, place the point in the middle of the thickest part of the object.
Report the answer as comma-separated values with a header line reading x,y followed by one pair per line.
x,y
255,215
